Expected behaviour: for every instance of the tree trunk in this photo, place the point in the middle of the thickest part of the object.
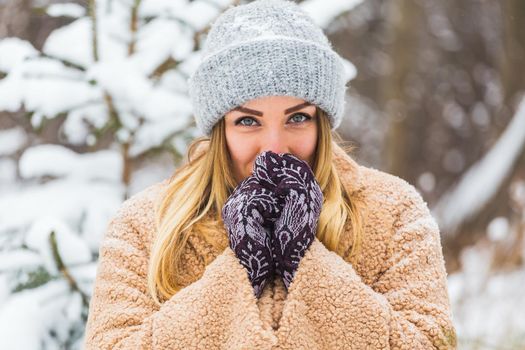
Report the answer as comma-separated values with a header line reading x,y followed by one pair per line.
x,y
401,149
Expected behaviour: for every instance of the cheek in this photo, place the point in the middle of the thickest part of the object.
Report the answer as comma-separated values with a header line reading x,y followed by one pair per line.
x,y
243,151
305,145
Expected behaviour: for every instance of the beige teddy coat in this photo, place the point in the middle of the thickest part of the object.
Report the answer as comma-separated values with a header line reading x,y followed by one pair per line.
x,y
394,297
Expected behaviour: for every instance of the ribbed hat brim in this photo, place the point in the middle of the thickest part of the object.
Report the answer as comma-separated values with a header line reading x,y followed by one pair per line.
x,y
266,67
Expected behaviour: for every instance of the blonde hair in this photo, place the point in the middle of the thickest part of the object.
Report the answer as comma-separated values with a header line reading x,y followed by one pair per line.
x,y
202,186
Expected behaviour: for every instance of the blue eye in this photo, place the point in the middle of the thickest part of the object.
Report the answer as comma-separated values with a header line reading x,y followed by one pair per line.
x,y
296,119
240,120
306,117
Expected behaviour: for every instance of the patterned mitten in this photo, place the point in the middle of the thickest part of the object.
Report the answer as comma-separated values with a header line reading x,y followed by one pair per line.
x,y
245,215
300,197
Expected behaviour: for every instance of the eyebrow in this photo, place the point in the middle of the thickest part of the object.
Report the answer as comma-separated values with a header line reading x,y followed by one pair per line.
x,y
260,114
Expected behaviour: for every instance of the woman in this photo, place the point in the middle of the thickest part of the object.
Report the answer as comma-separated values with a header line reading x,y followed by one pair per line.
x,y
271,236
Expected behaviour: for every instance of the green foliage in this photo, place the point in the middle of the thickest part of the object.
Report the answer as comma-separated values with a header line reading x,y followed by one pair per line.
x,y
32,279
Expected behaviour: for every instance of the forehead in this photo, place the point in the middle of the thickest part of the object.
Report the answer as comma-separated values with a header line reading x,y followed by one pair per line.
x,y
273,104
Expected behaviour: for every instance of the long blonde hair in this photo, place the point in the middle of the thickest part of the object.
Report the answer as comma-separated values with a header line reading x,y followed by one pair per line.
x,y
203,185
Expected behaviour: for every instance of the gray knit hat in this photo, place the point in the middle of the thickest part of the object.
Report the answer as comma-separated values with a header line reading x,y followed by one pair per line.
x,y
265,48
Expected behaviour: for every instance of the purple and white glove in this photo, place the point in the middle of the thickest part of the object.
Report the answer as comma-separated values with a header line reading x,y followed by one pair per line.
x,y
246,215
300,197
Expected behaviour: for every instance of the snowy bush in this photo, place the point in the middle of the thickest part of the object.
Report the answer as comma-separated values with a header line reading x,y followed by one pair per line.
x,y
49,237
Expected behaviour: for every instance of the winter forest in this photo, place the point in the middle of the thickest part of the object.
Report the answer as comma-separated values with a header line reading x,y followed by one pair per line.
x,y
94,108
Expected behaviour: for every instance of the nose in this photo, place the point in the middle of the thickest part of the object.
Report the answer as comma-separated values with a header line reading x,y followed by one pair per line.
x,y
275,141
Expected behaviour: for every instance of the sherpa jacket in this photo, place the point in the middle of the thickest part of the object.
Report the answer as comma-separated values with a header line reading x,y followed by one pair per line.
x,y
394,297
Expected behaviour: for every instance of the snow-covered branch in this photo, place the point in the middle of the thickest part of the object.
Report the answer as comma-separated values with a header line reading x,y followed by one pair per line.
x,y
325,11
483,180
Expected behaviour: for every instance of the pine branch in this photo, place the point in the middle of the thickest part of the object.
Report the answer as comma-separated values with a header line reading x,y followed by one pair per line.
x,y
64,270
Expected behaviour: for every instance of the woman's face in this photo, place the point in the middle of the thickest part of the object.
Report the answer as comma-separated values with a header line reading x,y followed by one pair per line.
x,y
281,124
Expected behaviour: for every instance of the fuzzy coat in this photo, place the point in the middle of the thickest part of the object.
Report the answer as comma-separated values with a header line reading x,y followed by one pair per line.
x,y
394,297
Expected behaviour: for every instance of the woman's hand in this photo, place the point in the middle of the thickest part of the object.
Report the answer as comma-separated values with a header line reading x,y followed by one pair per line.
x,y
300,197
246,215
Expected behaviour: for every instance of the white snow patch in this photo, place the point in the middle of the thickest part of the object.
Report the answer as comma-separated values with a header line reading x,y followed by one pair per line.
x,y
13,51
66,10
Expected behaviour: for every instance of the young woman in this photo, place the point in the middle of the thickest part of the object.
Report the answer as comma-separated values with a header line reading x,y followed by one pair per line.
x,y
271,236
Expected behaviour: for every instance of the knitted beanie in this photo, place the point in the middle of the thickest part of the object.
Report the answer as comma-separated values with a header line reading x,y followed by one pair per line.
x,y
265,48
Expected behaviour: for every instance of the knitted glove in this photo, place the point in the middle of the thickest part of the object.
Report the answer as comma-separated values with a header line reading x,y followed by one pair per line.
x,y
300,197
244,216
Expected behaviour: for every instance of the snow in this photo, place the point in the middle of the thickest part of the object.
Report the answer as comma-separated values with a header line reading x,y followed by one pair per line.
x,y
7,173
92,200
28,329
132,89
154,134
71,42
84,275
191,63
198,14
121,80
73,308
11,140
67,10
16,325
59,161
183,46
324,12
77,208
161,8
71,248
4,289
488,314
152,171
159,40
46,86
161,104
174,81
498,229
13,51
79,121
12,260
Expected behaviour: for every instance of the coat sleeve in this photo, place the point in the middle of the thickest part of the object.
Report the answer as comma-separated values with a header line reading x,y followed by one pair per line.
x,y
406,308
217,311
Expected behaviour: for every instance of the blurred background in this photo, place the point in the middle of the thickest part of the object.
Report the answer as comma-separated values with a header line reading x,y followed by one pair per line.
x,y
94,108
